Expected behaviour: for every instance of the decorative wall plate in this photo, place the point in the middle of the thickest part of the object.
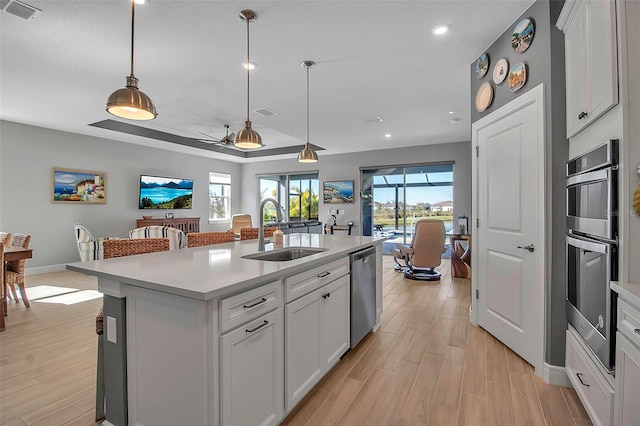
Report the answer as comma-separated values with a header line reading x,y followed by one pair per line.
x,y
484,97
517,76
522,35
500,71
482,65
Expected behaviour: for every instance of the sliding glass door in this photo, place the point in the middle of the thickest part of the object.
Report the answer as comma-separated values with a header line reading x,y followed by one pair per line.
x,y
394,198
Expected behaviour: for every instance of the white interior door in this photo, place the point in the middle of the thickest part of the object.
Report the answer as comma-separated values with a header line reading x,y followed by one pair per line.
x,y
509,242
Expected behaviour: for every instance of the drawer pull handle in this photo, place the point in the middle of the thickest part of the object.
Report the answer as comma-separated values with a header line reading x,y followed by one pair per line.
x,y
582,115
255,304
262,325
637,330
324,274
581,381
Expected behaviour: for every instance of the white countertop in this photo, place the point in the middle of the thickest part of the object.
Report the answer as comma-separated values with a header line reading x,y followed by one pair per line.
x,y
208,272
628,291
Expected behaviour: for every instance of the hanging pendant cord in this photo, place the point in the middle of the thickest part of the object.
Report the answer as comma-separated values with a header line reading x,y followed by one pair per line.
x,y
133,18
307,104
248,68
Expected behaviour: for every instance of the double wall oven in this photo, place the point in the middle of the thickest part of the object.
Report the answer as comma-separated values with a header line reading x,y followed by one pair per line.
x,y
592,248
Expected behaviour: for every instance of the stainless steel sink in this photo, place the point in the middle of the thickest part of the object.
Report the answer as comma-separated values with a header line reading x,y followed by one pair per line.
x,y
282,255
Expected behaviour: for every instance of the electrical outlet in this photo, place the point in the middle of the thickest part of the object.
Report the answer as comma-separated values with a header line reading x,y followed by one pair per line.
x,y
112,334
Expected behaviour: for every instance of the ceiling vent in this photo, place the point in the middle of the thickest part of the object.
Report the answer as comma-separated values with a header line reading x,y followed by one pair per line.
x,y
371,120
266,112
19,8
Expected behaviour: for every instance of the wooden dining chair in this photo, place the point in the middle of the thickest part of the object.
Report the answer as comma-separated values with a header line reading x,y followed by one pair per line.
x,y
197,239
113,249
14,274
252,233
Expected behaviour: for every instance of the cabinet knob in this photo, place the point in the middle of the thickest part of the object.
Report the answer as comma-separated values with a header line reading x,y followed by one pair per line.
x,y
582,115
637,330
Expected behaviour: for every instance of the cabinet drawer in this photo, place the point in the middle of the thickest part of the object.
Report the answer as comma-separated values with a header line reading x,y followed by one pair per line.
x,y
594,391
629,321
305,282
246,306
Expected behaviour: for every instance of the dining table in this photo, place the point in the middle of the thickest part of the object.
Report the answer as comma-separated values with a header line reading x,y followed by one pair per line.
x,y
11,253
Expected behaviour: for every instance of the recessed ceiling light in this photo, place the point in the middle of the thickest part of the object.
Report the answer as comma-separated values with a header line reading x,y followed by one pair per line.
x,y
388,135
250,65
140,1
453,112
441,29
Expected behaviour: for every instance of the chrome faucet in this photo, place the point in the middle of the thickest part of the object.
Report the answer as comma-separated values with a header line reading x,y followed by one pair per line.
x,y
261,228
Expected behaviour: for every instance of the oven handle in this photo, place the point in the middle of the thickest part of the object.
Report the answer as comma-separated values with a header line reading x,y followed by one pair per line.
x,y
598,175
588,245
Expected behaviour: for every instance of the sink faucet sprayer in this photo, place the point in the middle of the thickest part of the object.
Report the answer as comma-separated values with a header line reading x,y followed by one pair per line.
x,y
261,228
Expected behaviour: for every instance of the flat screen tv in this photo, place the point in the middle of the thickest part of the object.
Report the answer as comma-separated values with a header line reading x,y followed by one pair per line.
x,y
158,192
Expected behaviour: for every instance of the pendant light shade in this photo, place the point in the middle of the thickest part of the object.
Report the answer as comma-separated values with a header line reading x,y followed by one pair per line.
x,y
248,138
130,102
307,155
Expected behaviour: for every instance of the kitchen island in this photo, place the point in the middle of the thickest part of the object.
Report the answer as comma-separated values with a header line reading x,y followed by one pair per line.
x,y
206,336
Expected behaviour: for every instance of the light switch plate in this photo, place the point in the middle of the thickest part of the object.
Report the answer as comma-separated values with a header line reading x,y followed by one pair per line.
x,y
112,334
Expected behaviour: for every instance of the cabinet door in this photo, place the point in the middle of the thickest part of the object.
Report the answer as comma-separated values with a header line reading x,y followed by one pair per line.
x,y
252,371
303,346
575,44
335,298
602,60
627,409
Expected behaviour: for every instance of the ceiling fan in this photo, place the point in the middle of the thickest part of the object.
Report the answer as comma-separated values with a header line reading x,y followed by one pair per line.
x,y
226,140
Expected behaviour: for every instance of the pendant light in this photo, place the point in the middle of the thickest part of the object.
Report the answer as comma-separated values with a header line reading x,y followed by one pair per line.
x,y
307,155
130,102
248,138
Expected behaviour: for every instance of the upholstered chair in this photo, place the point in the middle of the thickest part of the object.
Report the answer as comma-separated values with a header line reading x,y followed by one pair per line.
x,y
239,221
177,238
197,239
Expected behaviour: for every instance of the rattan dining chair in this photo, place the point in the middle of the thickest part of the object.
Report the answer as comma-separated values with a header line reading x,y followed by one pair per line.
x,y
14,274
112,249
252,233
197,239
5,238
1,292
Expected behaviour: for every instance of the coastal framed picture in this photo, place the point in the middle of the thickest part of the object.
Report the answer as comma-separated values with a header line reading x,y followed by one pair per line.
x,y
340,191
71,186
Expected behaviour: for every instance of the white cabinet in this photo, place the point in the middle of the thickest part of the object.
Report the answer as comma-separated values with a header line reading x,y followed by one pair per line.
x,y
589,28
317,335
252,372
627,408
591,385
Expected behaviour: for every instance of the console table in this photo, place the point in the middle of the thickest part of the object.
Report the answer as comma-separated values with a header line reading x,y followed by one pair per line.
x,y
328,229
460,256
185,224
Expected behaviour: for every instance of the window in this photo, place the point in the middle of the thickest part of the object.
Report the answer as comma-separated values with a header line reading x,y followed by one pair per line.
x,y
298,194
219,197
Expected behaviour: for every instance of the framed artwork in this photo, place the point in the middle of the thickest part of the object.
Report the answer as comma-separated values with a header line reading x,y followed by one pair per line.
x,y
340,191
70,186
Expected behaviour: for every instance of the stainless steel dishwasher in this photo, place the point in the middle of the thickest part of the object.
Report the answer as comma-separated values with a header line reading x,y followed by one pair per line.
x,y
363,293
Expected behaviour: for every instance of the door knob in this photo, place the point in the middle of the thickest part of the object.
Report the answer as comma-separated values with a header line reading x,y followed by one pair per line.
x,y
531,248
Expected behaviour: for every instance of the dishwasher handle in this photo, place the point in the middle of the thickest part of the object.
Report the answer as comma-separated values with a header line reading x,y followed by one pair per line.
x,y
355,256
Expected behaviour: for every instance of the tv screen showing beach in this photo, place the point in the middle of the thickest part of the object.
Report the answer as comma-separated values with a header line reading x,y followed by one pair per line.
x,y
165,193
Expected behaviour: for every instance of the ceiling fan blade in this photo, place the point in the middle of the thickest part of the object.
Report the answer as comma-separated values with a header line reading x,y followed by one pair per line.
x,y
210,139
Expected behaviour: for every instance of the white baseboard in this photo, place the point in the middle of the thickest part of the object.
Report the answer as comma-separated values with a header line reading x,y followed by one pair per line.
x,y
45,269
556,375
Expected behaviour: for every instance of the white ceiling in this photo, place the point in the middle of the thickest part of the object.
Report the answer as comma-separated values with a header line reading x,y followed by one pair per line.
x,y
374,58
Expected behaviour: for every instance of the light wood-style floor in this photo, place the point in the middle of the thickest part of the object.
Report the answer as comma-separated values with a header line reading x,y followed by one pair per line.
x,y
425,365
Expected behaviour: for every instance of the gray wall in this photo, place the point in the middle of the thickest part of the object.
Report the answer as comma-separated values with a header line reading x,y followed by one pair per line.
x,y
545,64
27,155
347,167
